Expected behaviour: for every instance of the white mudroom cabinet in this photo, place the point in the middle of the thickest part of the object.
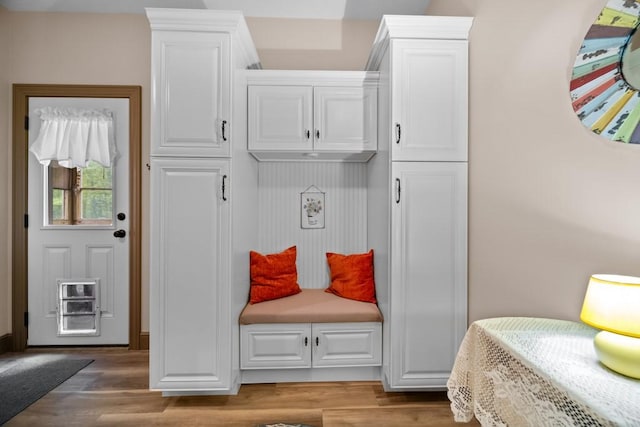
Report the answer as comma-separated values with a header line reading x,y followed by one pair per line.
x,y
417,215
233,150
194,240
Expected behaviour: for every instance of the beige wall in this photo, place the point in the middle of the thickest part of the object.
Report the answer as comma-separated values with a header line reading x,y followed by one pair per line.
x,y
550,202
115,49
74,49
312,44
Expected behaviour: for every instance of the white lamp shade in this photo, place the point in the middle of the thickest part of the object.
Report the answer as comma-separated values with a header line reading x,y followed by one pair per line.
x,y
612,303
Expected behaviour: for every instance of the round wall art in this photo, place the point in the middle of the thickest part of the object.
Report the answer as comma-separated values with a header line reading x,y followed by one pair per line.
x,y
606,75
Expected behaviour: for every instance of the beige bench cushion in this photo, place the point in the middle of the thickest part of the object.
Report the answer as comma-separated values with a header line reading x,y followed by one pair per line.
x,y
310,306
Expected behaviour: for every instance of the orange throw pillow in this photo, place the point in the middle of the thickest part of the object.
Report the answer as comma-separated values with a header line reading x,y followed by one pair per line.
x,y
352,276
273,276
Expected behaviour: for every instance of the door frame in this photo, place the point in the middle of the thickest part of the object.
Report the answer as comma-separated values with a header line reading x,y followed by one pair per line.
x,y
20,188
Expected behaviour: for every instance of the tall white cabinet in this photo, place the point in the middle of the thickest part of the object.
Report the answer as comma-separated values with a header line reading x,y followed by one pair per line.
x,y
420,176
190,329
194,245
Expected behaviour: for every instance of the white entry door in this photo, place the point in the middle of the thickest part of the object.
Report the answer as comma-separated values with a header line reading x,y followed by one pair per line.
x,y
74,218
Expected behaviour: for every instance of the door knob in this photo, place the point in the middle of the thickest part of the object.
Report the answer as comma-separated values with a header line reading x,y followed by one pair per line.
x,y
119,234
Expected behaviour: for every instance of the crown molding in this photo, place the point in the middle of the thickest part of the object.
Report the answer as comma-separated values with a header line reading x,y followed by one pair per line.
x,y
215,21
416,27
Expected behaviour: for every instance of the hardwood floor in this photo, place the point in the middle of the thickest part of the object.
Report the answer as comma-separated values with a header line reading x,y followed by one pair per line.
x,y
113,391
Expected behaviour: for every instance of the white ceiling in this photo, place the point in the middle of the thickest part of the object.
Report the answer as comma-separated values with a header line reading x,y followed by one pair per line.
x,y
316,9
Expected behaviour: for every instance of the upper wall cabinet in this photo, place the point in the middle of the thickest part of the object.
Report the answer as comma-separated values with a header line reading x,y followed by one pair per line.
x,y
429,100
317,116
426,58
280,118
345,118
193,55
192,87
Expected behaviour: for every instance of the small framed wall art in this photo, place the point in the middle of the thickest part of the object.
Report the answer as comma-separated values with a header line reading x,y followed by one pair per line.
x,y
312,208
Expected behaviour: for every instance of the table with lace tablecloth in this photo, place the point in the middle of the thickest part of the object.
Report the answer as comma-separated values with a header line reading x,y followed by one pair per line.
x,y
518,371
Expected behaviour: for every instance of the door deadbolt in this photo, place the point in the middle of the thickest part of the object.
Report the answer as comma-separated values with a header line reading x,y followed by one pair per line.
x,y
121,216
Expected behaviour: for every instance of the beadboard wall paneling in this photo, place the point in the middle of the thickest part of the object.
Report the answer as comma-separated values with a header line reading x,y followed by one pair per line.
x,y
345,187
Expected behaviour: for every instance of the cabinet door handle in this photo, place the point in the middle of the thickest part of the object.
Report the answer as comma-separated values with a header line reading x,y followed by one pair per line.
x,y
317,341
306,341
397,190
308,134
317,133
224,126
398,133
224,181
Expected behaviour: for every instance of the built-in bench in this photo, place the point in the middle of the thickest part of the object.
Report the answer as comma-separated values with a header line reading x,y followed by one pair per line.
x,y
287,338
310,306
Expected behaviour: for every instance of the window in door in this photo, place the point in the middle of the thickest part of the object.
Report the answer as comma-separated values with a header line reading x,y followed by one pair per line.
x,y
79,196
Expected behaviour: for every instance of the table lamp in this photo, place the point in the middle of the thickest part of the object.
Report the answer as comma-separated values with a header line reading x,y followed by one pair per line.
x,y
612,304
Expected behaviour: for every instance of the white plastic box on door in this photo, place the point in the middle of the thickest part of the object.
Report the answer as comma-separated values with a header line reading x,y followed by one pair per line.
x,y
78,307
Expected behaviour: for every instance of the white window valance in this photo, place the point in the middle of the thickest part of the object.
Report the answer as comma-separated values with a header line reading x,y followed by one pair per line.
x,y
74,137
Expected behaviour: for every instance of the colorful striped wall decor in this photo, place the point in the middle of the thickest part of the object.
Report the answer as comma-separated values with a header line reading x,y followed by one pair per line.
x,y
603,99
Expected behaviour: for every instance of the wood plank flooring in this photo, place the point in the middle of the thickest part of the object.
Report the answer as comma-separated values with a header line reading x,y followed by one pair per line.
x,y
113,391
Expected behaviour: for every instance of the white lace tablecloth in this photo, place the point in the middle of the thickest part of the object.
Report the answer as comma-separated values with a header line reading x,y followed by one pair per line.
x,y
518,371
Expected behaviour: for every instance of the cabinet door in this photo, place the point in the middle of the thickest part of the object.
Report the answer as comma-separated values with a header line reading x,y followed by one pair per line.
x,y
190,317
345,118
428,271
347,344
190,72
279,118
429,100
269,346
